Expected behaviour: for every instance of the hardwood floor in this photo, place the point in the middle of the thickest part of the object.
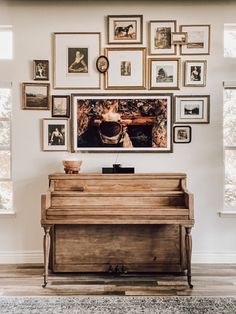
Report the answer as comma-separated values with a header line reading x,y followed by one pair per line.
x,y
208,280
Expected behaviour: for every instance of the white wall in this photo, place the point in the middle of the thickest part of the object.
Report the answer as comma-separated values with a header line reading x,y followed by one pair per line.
x,y
214,238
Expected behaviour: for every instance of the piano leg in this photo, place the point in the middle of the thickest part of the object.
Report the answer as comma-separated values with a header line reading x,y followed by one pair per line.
x,y
188,243
46,250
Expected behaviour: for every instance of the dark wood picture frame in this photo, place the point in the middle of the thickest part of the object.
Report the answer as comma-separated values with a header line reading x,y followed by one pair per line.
x,y
57,114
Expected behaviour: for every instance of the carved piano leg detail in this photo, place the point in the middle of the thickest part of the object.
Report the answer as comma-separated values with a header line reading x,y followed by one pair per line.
x,y
188,243
46,249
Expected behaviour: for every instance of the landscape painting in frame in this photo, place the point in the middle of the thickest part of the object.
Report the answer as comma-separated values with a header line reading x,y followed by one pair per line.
x,y
134,123
36,96
198,40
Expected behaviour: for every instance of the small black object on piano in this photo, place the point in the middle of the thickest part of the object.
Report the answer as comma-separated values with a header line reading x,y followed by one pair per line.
x,y
118,169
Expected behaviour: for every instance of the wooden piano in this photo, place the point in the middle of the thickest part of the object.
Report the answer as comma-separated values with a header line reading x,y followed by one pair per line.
x,y
118,223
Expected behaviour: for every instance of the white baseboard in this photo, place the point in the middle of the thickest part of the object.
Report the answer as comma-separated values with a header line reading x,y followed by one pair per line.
x,y
25,257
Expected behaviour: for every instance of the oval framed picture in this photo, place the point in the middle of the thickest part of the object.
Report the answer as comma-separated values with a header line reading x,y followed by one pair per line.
x,y
102,64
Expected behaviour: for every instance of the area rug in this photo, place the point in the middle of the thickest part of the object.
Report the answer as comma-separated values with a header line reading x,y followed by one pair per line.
x,y
117,305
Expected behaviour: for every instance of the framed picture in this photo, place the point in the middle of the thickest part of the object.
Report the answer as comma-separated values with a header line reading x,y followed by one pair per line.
x,y
122,122
179,38
164,73
182,134
127,68
160,37
102,64
125,29
198,40
195,73
55,134
75,56
36,96
61,106
192,109
41,70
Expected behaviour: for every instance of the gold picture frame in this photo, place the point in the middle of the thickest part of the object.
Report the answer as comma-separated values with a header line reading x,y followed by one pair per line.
x,y
199,39
127,69
195,73
36,96
179,38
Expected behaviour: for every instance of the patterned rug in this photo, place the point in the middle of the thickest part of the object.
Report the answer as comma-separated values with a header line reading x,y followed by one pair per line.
x,y
117,305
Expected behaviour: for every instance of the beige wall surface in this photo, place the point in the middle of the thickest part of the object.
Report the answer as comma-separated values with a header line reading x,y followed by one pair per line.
x,y
214,238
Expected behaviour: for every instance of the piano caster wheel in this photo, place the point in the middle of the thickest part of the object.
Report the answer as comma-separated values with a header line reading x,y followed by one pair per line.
x,y
44,285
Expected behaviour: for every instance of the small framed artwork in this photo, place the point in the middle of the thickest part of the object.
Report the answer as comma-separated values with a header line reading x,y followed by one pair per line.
x,y
41,70
127,69
198,40
122,122
36,96
102,64
75,56
179,38
160,37
192,109
164,73
55,134
125,29
182,134
195,73
61,106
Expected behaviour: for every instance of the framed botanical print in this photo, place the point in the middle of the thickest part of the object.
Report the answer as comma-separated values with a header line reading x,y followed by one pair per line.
x,y
164,73
192,109
182,134
122,122
195,73
125,29
75,56
160,37
127,68
61,106
55,134
198,40
36,96
41,70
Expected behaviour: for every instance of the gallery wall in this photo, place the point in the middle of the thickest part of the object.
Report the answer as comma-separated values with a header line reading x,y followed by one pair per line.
x,y
33,24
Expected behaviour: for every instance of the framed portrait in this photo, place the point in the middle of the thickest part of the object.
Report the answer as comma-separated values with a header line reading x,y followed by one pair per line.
x,y
192,109
127,68
198,40
36,96
179,38
41,70
61,106
122,122
164,73
160,37
75,56
102,64
182,134
195,73
55,134
125,29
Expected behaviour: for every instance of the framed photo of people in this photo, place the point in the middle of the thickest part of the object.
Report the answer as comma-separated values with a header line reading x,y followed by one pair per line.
x,y
125,29
160,39
164,73
36,96
195,73
124,123
75,56
55,134
127,68
192,109
198,40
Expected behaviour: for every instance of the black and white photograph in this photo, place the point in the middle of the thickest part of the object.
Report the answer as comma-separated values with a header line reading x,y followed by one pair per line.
x,y
36,96
198,40
77,60
182,134
55,134
164,74
195,73
61,106
41,70
102,64
125,68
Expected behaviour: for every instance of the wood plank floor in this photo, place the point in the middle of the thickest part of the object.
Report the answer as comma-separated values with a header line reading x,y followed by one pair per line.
x,y
208,280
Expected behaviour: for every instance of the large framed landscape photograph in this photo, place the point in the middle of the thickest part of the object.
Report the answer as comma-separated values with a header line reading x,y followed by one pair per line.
x,y
124,123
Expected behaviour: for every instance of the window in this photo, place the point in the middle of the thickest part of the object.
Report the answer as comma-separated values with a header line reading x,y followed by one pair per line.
x,y
6,39
6,205
230,40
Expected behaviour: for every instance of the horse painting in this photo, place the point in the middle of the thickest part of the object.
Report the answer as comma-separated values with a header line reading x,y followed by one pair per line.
x,y
124,31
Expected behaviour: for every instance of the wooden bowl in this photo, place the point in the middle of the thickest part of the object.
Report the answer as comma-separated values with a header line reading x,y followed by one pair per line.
x,y
72,166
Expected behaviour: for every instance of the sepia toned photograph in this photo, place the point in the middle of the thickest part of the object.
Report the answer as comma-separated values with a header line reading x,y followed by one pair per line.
x,y
195,73
125,68
125,29
162,39
179,38
55,133
164,74
41,70
120,123
77,60
182,134
36,96
198,40
61,106
102,64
